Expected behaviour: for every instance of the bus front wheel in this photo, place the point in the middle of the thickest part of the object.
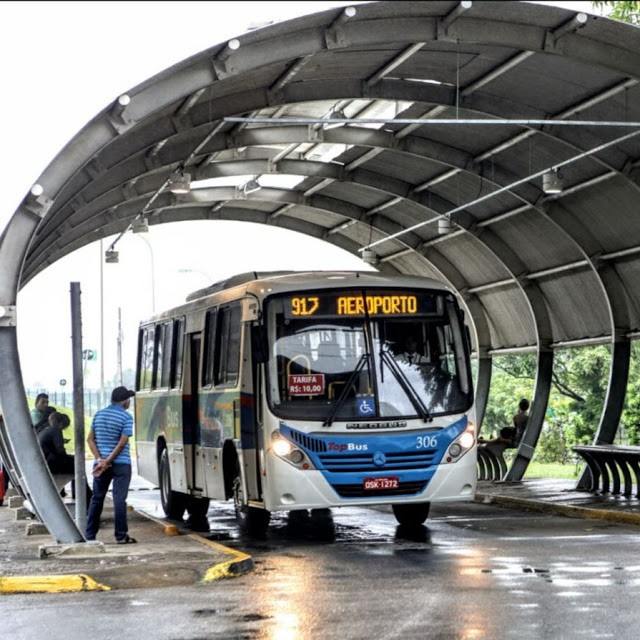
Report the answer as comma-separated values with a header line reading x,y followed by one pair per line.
x,y
173,503
411,514
251,520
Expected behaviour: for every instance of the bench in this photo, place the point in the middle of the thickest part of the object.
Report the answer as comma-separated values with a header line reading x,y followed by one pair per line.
x,y
612,467
491,463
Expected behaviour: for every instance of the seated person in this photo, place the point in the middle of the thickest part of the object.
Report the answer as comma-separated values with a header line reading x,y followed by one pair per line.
x,y
410,355
38,411
507,437
43,422
52,444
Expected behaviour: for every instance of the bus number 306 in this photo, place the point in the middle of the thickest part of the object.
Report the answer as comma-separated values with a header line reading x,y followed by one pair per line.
x,y
426,442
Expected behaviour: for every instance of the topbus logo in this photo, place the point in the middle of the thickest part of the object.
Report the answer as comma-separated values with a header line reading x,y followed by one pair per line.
x,y
349,446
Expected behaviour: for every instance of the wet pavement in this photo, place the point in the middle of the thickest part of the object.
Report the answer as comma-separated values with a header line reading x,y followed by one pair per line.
x,y
560,497
166,554
169,554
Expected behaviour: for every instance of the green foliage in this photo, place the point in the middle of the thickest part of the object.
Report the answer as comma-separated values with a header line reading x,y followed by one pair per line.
x,y
579,385
630,423
624,11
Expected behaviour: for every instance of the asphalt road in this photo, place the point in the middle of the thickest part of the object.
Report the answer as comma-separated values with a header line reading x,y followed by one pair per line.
x,y
474,571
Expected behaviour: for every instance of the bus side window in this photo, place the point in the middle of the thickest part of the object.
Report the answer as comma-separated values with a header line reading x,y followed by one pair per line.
x,y
177,353
222,346
146,357
165,369
227,353
159,356
209,348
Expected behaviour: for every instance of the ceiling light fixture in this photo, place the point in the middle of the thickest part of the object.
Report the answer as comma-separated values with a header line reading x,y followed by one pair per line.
x,y
111,256
140,225
552,181
180,183
369,256
444,226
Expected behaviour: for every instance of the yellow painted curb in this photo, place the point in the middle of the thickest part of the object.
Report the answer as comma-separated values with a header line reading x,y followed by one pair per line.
x,y
243,563
562,509
49,584
171,530
218,571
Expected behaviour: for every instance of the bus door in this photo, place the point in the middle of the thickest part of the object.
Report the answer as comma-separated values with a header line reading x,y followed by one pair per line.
x,y
191,422
251,414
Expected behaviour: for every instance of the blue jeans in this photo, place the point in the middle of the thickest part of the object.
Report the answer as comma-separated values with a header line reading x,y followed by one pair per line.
x,y
121,476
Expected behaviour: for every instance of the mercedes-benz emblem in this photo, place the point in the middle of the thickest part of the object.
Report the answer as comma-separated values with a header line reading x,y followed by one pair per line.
x,y
379,459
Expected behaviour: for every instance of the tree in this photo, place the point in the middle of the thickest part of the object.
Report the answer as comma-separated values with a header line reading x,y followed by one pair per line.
x,y
579,385
624,11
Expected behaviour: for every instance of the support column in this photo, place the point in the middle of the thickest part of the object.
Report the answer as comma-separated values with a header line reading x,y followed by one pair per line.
x,y
483,386
614,401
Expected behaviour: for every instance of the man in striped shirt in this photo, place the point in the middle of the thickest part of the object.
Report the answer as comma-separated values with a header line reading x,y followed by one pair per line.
x,y
109,442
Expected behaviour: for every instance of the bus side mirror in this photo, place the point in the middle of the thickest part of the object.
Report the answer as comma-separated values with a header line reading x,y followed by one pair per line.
x,y
259,343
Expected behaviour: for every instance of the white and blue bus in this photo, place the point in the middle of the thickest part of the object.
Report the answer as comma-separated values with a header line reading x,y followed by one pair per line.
x,y
295,391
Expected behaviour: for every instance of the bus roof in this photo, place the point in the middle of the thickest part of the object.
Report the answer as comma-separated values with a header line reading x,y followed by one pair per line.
x,y
282,281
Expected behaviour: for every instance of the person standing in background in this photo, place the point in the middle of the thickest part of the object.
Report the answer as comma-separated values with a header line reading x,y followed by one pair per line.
x,y
109,442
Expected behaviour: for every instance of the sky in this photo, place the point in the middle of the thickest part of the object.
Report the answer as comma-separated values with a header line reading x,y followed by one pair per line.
x,y
63,62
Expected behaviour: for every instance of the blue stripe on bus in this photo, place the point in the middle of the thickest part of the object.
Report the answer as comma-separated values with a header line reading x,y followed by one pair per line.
x,y
345,460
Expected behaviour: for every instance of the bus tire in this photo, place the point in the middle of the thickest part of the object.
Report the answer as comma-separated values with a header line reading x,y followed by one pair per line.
x,y
251,520
411,514
173,503
198,509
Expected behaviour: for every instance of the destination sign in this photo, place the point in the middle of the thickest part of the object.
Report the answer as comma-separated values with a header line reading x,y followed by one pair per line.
x,y
355,304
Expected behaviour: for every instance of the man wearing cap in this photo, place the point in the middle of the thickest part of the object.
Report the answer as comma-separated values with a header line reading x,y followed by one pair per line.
x,y
109,442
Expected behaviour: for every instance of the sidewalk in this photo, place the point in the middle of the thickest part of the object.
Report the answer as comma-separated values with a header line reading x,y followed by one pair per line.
x,y
559,497
163,556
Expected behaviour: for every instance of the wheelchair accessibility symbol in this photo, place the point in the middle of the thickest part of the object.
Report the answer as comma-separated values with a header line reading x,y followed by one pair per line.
x,y
366,407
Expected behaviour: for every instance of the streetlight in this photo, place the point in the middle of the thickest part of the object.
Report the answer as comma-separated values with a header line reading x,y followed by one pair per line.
x,y
202,273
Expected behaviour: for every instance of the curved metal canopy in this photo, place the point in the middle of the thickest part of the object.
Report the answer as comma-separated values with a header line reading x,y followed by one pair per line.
x,y
533,268
336,114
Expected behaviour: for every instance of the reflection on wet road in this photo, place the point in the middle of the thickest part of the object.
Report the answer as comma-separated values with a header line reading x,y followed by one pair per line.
x,y
474,571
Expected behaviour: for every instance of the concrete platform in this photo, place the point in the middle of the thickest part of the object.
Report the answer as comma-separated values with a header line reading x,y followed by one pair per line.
x,y
165,555
560,497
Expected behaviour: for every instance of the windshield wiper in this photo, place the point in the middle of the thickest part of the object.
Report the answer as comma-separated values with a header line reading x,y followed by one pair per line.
x,y
407,387
357,369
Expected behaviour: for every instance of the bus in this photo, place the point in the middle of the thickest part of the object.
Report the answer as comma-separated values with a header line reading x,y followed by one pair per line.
x,y
294,392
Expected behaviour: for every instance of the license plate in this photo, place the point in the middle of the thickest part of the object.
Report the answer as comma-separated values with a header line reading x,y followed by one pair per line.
x,y
375,484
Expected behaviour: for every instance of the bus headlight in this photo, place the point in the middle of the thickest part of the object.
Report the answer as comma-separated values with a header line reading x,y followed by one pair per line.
x,y
466,440
462,444
281,447
287,450
296,456
455,450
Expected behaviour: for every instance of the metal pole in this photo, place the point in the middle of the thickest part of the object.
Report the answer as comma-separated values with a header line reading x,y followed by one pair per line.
x,y
101,355
119,345
78,408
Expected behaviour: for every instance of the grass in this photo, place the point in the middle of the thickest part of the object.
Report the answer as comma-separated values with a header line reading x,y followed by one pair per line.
x,y
569,471
553,470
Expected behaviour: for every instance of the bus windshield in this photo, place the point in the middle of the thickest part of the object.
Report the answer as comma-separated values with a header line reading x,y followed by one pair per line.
x,y
364,355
